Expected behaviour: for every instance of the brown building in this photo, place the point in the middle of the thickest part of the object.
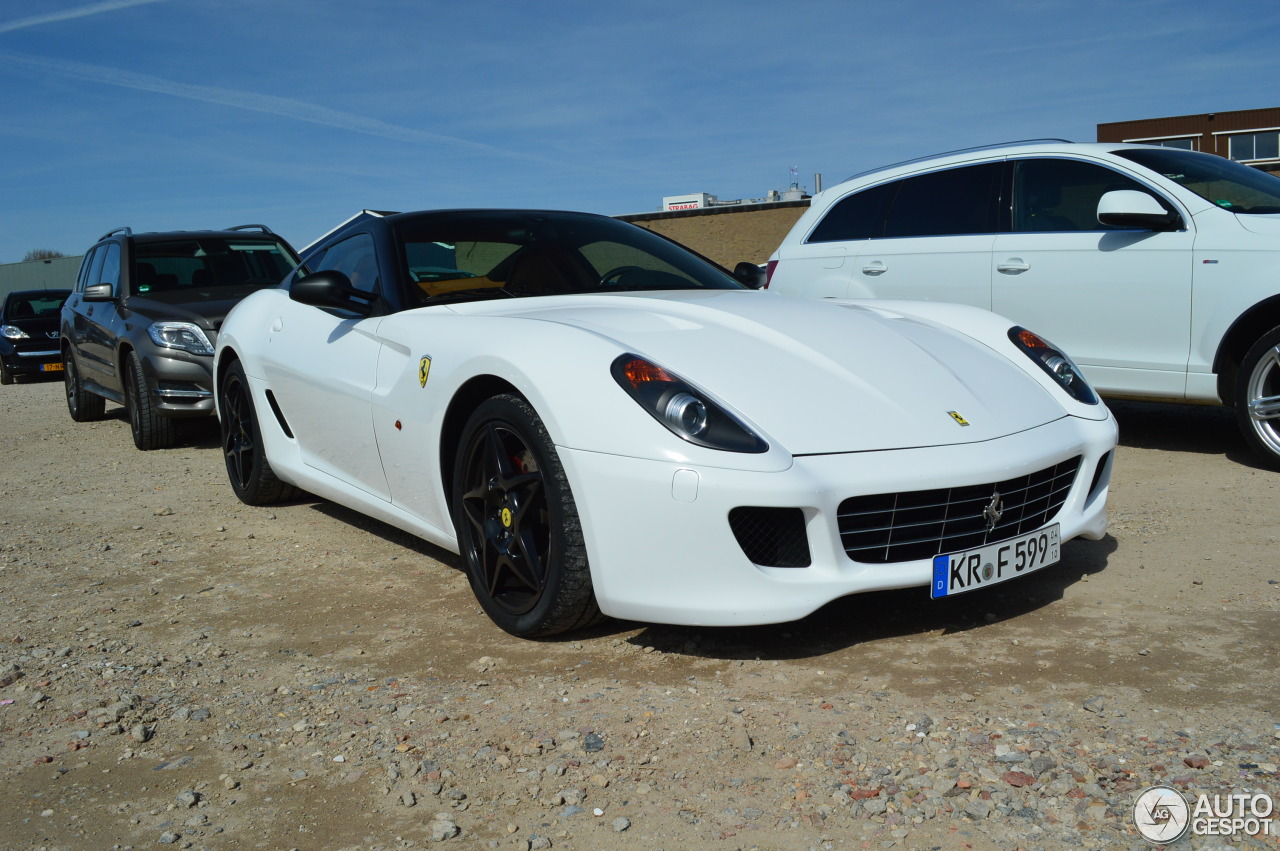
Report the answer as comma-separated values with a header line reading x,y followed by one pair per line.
x,y
1249,136
727,235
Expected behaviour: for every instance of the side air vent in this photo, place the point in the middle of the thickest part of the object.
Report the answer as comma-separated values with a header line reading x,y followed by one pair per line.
x,y
771,537
275,409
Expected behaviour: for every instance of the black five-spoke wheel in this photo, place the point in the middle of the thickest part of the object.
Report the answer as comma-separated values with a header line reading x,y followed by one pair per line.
x,y
517,524
250,473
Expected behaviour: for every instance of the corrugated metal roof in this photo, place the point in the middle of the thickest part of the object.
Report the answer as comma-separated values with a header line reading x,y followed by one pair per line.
x,y
56,274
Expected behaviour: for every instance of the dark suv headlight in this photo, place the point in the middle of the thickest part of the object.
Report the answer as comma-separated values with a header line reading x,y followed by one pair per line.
x,y
682,408
1055,362
180,335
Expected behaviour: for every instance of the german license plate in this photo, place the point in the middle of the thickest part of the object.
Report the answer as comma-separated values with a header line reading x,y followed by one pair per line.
x,y
960,572
52,367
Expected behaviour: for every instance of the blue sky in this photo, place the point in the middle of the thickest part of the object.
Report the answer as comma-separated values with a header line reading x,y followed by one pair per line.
x,y
170,114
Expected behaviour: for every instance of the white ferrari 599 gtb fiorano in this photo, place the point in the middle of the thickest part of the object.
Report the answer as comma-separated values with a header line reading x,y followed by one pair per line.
x,y
603,423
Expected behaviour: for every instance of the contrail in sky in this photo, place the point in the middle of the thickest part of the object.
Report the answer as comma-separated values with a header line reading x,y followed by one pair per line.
x,y
270,104
71,14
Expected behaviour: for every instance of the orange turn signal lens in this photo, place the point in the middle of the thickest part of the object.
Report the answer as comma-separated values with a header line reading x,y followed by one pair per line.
x,y
639,371
1031,340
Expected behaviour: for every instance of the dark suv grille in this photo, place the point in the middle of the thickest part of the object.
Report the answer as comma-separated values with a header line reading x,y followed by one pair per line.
x,y
895,527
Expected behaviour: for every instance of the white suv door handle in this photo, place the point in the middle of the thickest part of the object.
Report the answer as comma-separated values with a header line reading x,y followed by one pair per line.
x,y
1013,266
874,268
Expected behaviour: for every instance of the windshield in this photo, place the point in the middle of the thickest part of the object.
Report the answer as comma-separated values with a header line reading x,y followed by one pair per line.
x,y
207,268
1220,181
479,254
35,305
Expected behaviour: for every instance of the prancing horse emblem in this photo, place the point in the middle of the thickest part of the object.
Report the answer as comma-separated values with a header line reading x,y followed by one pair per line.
x,y
993,512
424,369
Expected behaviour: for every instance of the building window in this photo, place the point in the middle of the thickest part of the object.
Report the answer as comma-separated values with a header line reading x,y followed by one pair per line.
x,y
1248,147
1185,143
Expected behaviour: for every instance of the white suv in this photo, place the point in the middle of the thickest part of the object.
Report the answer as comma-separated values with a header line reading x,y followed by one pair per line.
x,y
1158,269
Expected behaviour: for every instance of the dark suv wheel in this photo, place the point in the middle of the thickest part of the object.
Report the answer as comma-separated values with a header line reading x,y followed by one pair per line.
x,y
150,429
83,406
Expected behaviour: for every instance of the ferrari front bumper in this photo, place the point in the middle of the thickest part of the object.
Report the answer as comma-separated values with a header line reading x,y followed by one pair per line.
x,y
662,550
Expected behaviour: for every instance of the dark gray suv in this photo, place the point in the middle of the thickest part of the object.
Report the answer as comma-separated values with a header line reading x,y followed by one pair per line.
x,y
140,326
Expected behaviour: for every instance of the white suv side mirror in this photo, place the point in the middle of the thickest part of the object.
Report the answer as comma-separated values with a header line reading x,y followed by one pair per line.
x,y
1133,209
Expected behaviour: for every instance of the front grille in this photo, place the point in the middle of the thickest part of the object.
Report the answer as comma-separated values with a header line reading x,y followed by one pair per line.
x,y
895,527
771,537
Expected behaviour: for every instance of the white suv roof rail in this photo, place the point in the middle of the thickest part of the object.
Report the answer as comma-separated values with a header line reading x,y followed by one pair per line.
x,y
974,149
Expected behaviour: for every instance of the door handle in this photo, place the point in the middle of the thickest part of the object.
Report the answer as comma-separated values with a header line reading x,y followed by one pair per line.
x,y
1013,266
874,268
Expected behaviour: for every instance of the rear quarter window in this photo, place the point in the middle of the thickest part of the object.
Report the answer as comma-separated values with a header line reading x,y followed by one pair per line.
x,y
854,217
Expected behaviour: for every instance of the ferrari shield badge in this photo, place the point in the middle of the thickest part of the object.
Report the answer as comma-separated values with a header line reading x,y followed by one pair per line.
x,y
424,369
959,419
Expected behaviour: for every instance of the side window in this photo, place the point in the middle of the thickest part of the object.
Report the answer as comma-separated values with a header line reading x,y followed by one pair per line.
x,y
86,266
946,203
355,258
111,266
95,271
854,217
1052,195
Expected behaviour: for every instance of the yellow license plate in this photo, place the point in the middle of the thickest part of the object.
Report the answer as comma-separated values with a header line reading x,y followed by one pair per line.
x,y
52,367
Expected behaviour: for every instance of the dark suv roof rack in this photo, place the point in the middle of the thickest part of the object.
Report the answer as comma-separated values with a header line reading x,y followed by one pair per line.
x,y
262,228
125,231
974,149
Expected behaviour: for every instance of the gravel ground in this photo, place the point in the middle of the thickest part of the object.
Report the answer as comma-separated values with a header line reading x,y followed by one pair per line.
x,y
177,669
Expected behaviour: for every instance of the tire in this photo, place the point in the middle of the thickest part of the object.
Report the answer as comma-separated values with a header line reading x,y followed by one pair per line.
x,y
1257,398
81,404
518,527
150,429
6,374
248,469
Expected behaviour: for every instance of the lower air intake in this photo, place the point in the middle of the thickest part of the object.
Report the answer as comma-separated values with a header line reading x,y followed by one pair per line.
x,y
771,537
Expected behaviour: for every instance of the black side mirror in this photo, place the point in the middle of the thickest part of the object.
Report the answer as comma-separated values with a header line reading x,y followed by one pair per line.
x,y
749,274
332,289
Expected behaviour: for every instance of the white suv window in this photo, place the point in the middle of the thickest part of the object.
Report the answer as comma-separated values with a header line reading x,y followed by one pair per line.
x,y
856,217
946,203
1057,195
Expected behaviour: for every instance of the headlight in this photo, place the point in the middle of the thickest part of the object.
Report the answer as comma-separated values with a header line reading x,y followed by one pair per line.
x,y
1055,362
180,335
682,408
13,332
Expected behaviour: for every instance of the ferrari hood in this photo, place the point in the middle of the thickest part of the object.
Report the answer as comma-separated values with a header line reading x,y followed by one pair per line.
x,y
817,377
